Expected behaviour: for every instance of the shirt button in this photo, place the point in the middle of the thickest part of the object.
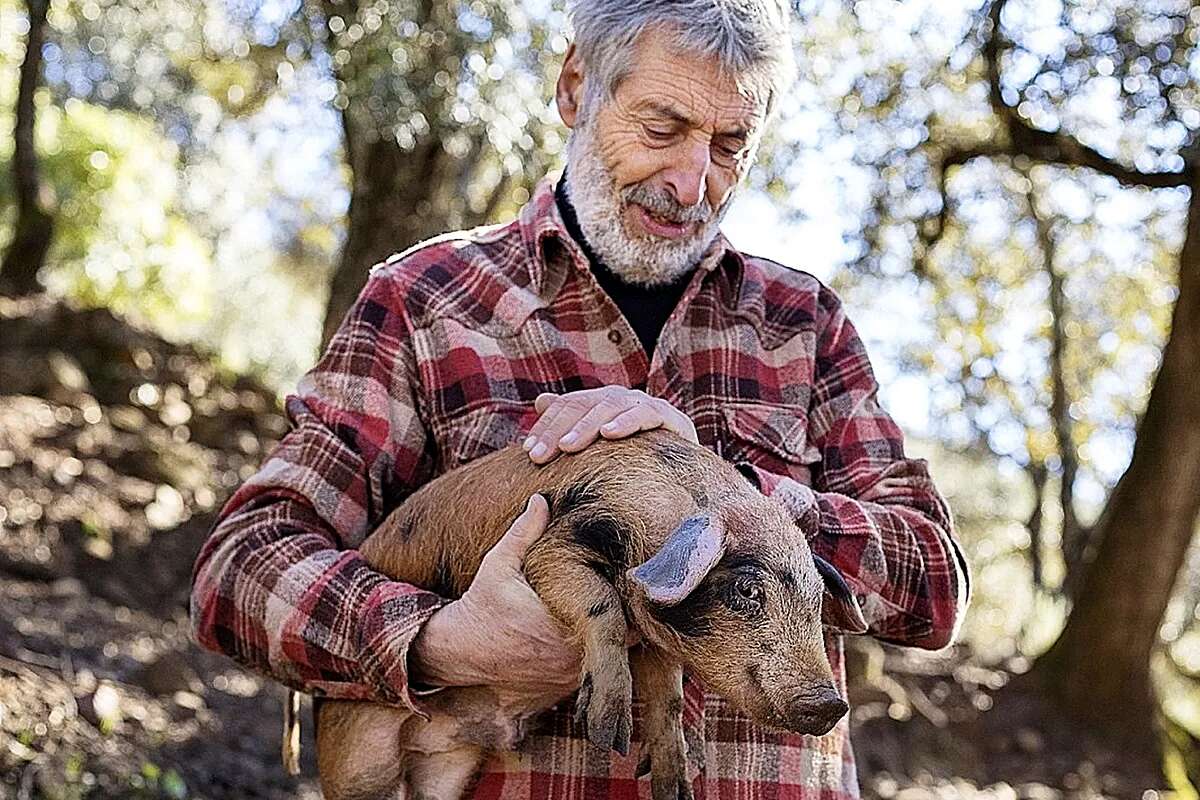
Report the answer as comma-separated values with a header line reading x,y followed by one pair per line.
x,y
614,336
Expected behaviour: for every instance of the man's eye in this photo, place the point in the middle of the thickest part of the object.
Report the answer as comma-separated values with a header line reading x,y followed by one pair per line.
x,y
729,151
658,133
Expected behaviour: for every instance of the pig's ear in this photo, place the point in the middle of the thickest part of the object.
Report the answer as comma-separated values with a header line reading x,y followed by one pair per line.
x,y
839,607
685,558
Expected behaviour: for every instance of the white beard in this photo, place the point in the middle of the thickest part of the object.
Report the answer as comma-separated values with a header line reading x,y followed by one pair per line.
x,y
639,259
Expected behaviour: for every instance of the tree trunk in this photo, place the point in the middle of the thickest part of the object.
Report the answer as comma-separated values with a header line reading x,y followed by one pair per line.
x,y
398,197
1099,669
34,227
391,208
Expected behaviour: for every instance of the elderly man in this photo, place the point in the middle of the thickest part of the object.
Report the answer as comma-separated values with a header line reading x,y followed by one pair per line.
x,y
613,304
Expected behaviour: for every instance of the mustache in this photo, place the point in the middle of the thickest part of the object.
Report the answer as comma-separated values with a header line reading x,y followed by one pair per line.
x,y
664,205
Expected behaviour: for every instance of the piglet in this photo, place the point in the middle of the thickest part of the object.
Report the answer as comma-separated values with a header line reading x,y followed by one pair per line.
x,y
650,532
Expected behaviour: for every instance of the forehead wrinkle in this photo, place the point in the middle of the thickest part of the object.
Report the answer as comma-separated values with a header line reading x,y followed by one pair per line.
x,y
661,89
658,107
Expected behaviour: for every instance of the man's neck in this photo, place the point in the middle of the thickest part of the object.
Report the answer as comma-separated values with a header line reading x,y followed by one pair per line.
x,y
645,308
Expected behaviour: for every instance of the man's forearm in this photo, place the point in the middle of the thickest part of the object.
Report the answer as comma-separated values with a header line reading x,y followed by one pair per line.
x,y
435,657
271,592
279,585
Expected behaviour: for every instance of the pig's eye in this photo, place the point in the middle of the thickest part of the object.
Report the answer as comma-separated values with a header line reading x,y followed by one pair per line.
x,y
746,595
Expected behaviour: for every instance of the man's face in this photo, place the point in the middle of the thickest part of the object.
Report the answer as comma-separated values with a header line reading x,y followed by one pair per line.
x,y
652,171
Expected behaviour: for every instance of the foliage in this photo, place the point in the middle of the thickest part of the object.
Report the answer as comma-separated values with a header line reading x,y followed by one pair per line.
x,y
474,78
907,86
121,239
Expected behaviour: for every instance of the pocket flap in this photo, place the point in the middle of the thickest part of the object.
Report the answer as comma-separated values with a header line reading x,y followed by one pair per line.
x,y
471,435
781,430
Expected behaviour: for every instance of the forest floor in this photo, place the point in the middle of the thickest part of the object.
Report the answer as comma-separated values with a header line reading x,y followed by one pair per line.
x,y
116,450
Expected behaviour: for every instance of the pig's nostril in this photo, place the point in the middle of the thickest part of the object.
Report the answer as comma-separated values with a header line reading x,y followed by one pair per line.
x,y
830,711
816,712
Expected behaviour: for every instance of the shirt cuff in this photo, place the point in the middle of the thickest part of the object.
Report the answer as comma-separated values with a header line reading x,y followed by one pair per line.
x,y
395,613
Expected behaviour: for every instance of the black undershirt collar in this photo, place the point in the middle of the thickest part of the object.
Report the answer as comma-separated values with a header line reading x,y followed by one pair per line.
x,y
646,309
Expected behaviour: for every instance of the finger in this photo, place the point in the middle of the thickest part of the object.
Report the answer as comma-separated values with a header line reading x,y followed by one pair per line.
x,y
543,401
542,443
541,404
639,418
587,428
656,414
508,553
551,408
558,420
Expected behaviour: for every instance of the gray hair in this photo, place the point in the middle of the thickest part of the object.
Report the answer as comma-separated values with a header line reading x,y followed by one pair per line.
x,y
749,38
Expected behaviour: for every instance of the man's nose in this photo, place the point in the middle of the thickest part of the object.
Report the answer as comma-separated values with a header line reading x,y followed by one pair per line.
x,y
687,177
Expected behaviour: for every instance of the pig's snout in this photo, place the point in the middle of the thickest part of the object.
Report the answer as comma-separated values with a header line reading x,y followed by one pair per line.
x,y
815,711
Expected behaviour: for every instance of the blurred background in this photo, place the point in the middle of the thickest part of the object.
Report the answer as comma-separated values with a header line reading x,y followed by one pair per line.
x,y
1003,193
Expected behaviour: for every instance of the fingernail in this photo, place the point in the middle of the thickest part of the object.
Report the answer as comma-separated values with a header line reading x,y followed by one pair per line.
x,y
538,451
529,440
609,426
569,437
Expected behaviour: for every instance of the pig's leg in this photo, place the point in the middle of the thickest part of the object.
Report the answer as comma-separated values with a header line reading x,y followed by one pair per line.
x,y
358,750
589,606
442,776
659,682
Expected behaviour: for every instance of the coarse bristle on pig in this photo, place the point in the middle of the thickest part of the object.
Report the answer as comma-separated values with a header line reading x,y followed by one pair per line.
x,y
651,533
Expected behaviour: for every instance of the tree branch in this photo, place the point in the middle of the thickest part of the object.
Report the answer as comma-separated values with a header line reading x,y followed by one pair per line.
x,y
1019,138
1057,148
1075,536
1037,474
955,157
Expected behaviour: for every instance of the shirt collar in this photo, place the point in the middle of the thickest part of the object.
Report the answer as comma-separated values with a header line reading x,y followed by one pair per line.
x,y
551,250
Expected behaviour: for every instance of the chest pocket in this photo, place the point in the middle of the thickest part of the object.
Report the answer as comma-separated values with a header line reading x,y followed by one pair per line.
x,y
461,438
772,437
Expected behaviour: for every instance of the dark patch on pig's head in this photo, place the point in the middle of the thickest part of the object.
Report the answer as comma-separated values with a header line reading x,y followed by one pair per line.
x,y
691,618
606,541
572,498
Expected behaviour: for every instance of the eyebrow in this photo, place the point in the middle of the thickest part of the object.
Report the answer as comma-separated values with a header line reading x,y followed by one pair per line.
x,y
676,116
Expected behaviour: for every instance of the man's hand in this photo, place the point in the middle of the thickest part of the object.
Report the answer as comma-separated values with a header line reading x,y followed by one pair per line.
x,y
570,422
498,633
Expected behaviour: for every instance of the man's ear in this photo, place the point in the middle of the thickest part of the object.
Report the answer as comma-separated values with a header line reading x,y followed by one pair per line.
x,y
681,563
839,607
568,92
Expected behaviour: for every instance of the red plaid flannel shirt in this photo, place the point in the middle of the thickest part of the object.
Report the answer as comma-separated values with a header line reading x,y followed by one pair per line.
x,y
439,362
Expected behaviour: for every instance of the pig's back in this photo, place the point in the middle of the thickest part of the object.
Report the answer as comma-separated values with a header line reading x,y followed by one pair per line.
x,y
438,536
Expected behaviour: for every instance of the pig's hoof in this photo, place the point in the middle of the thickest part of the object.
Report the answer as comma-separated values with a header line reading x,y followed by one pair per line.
x,y
608,710
665,764
670,787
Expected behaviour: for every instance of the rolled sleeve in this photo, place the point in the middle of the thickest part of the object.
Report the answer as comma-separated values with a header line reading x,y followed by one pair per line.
x,y
279,585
